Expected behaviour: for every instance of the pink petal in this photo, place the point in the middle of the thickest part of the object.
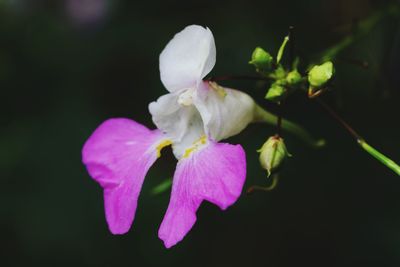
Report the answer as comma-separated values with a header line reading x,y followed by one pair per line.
x,y
216,174
118,155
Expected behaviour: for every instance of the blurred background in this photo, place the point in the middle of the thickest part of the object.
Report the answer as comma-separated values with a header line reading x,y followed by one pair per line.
x,y
66,66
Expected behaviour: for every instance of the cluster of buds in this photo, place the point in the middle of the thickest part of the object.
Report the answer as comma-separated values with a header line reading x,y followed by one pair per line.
x,y
283,82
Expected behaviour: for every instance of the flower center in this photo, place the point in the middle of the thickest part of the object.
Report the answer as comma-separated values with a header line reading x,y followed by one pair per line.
x,y
186,98
195,146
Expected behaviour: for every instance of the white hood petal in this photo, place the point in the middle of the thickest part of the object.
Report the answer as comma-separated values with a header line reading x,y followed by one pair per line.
x,y
187,58
225,112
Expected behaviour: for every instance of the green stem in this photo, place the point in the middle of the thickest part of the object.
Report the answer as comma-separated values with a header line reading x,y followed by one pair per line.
x,y
261,115
379,156
272,186
369,149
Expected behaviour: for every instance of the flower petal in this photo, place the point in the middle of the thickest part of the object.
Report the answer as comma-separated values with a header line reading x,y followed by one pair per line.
x,y
182,124
118,155
215,173
225,112
187,58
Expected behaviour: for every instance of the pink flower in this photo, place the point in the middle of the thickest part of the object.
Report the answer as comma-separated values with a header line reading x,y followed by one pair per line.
x,y
192,117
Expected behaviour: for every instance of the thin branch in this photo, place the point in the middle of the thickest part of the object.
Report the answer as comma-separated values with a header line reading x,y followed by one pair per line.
x,y
236,77
338,118
291,45
272,186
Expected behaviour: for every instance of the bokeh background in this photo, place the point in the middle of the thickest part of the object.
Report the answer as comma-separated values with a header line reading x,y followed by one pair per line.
x,y
66,66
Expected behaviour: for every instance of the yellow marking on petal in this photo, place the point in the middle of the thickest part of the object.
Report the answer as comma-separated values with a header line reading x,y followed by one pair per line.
x,y
201,141
188,152
161,145
219,89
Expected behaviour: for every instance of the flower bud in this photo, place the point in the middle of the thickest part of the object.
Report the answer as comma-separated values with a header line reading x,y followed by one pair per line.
x,y
276,92
261,59
272,153
278,74
320,74
293,77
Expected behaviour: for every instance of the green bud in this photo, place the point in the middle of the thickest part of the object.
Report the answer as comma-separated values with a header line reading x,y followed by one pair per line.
x,y
261,59
320,74
293,77
272,154
279,73
276,92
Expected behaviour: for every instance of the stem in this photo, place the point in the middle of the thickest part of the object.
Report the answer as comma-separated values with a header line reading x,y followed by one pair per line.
x,y
369,149
338,118
279,120
291,58
272,186
237,77
380,157
261,115
291,45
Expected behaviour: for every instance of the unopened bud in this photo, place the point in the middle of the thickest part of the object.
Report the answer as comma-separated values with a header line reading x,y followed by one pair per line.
x,y
293,77
272,153
261,59
276,92
320,74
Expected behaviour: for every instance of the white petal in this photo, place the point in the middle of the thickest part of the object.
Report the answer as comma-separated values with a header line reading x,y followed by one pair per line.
x,y
225,112
190,139
187,58
182,124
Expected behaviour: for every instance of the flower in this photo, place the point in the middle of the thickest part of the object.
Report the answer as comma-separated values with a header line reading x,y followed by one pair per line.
x,y
193,117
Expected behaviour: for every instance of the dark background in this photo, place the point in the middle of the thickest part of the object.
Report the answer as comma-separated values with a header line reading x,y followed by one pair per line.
x,y
65,68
